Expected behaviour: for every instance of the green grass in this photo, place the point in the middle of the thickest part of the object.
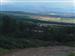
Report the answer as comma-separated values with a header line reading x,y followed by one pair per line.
x,y
3,51
71,54
67,20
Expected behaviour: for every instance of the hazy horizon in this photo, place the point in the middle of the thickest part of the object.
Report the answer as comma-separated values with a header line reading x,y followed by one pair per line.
x,y
38,6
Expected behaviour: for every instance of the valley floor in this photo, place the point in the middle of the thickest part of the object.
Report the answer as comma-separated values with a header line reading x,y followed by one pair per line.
x,y
43,51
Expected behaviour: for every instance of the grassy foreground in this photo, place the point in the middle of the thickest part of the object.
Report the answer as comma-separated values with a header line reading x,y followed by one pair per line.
x,y
71,54
3,51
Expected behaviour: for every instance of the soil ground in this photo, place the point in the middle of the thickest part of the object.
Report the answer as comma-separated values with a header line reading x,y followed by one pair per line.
x,y
43,51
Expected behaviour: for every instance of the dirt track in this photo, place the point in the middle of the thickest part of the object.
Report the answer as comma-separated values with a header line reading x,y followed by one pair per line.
x,y
43,51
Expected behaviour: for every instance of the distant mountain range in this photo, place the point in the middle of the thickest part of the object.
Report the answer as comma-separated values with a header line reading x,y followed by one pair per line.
x,y
52,14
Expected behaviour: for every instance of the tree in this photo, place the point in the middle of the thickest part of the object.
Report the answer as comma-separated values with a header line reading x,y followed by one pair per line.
x,y
6,26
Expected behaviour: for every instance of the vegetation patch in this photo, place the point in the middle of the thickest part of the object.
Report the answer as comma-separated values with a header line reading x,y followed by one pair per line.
x,y
3,51
18,32
71,54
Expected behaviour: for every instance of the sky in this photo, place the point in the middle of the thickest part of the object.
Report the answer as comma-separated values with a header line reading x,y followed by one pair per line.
x,y
40,6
